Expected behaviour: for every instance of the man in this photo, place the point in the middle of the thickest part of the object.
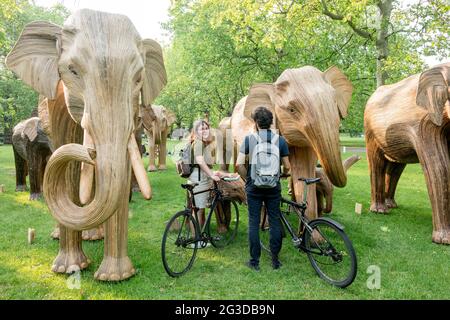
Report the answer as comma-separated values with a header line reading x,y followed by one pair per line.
x,y
260,192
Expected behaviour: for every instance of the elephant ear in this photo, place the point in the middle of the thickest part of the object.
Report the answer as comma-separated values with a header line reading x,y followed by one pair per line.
x,y
343,87
432,94
170,117
30,129
155,77
34,58
260,94
147,116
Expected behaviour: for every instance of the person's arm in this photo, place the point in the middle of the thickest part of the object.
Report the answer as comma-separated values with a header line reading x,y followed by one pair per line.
x,y
240,165
200,160
286,166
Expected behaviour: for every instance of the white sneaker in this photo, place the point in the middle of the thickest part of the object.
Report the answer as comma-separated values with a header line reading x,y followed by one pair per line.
x,y
200,245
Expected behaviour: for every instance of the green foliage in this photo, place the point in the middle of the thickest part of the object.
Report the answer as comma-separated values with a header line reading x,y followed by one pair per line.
x,y
220,48
17,100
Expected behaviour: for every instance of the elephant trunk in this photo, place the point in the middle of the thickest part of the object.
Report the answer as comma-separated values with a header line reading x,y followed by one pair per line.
x,y
329,156
111,172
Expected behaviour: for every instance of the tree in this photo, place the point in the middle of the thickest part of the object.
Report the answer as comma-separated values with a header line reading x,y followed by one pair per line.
x,y
17,100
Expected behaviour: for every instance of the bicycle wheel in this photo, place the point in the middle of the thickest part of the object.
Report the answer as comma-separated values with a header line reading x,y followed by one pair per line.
x,y
331,253
179,244
223,226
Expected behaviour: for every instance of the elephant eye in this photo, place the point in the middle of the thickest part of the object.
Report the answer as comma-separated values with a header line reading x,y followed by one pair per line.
x,y
292,110
72,70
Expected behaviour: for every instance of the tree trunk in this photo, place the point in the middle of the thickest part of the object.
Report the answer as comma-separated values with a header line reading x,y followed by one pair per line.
x,y
385,7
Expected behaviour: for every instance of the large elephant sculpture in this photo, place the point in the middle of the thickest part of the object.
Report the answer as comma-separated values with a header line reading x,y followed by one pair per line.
x,y
157,123
408,122
307,105
104,66
32,149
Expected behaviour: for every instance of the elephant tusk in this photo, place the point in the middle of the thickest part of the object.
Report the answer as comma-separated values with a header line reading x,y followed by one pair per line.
x,y
138,168
87,172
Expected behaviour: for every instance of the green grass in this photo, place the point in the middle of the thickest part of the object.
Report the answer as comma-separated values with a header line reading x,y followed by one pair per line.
x,y
412,267
346,140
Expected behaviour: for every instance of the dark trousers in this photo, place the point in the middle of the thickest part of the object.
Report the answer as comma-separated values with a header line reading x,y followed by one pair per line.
x,y
271,199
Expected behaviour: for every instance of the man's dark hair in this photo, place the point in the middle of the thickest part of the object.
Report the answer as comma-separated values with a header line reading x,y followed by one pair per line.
x,y
263,117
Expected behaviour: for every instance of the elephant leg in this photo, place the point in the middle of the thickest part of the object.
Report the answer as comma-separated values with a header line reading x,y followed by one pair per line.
x,y
151,153
433,155
303,164
71,257
162,151
377,168
21,171
88,235
319,196
34,164
116,264
393,172
93,234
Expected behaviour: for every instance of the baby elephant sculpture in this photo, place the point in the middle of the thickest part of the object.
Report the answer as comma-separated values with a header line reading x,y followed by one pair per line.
x,y
157,121
408,122
32,149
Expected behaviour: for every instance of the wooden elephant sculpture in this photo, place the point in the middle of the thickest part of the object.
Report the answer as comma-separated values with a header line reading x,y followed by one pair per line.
x,y
408,122
93,81
157,121
307,105
32,149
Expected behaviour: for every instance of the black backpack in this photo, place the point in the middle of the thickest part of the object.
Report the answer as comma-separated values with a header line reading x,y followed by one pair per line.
x,y
185,164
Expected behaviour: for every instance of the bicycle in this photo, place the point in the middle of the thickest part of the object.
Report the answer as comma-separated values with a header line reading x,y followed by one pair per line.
x,y
183,235
329,249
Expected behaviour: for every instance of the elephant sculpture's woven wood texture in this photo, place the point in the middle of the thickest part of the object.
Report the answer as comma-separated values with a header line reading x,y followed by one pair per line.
x,y
104,66
408,122
308,106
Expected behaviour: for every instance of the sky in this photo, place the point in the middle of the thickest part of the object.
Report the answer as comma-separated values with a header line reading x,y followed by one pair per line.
x,y
145,14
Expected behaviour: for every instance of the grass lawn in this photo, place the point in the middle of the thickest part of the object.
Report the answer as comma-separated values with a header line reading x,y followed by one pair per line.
x,y
348,141
411,266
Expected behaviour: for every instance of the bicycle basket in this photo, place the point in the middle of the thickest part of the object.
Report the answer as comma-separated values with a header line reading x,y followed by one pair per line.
x,y
233,190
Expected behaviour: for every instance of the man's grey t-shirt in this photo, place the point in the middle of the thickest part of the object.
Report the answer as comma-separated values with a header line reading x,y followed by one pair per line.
x,y
250,143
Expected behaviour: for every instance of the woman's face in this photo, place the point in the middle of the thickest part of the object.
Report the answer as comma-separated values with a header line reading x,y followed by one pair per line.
x,y
203,132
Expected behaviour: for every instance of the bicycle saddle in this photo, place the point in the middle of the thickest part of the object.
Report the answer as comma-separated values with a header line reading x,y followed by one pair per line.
x,y
309,180
189,186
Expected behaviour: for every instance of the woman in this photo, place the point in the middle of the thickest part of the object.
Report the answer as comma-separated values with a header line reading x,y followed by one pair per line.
x,y
202,174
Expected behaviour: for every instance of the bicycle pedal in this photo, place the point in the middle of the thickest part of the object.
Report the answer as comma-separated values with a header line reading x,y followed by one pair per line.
x,y
297,242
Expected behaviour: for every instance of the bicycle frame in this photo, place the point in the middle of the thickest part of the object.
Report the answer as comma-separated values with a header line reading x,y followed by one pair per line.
x,y
191,207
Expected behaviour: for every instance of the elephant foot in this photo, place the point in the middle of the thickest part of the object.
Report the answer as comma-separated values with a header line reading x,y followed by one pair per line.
x,y
35,196
93,234
390,203
21,188
379,208
115,269
162,167
441,236
55,233
70,262
151,168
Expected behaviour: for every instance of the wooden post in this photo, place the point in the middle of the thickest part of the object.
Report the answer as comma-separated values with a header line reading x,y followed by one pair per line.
x,y
31,235
358,208
2,188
